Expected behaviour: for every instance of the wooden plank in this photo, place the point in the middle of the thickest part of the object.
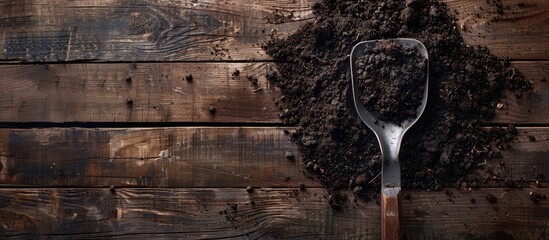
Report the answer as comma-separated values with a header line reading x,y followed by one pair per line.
x,y
274,213
533,108
524,162
183,30
148,30
519,33
159,157
158,92
193,157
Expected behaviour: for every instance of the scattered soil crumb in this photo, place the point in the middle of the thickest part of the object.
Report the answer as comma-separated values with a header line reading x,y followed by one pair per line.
x,y
450,196
337,200
497,4
407,197
491,198
536,197
230,212
212,109
189,77
289,155
253,80
129,102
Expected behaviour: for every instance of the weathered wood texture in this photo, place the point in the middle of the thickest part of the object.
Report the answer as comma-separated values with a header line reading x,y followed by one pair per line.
x,y
274,213
534,106
160,157
143,30
149,92
190,157
159,93
129,30
520,32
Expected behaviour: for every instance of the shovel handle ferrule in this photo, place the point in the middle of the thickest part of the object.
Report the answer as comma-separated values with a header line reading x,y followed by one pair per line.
x,y
390,213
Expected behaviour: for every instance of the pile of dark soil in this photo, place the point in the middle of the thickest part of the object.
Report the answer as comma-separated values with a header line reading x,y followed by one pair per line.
x,y
392,80
443,147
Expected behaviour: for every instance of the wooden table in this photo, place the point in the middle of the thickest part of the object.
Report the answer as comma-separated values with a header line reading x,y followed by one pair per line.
x,y
93,95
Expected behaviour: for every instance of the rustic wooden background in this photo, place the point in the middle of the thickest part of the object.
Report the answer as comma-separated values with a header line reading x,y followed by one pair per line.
x,y
69,68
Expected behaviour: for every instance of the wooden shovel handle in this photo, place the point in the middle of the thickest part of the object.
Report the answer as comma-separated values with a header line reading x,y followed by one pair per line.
x,y
390,213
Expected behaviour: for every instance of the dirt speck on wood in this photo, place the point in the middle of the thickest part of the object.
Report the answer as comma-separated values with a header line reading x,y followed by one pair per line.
x,y
491,198
536,197
189,77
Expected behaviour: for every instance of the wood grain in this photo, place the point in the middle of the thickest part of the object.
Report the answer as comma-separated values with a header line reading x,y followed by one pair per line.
x,y
519,32
159,157
158,92
194,157
143,30
266,213
533,107
527,156
187,30
391,213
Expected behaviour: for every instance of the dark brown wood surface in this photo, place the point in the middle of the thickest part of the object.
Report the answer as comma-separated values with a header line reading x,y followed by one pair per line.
x,y
210,213
154,157
187,30
195,157
147,30
519,32
533,107
68,62
159,93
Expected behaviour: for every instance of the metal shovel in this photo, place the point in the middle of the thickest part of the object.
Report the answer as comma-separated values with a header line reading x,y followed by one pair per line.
x,y
390,138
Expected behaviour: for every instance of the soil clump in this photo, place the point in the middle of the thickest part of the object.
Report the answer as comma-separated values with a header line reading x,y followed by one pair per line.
x,y
392,80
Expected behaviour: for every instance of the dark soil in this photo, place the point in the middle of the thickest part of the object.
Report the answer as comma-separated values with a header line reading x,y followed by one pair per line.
x,y
491,198
189,77
289,155
129,102
444,146
212,109
536,197
392,80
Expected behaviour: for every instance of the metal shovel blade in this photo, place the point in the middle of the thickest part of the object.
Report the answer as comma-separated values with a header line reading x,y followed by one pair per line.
x,y
390,137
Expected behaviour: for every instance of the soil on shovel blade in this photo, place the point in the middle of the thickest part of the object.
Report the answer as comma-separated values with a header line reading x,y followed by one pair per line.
x,y
446,144
392,80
